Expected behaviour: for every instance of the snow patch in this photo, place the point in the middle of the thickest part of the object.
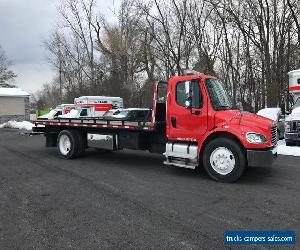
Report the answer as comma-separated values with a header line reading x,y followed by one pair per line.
x,y
18,125
13,92
287,150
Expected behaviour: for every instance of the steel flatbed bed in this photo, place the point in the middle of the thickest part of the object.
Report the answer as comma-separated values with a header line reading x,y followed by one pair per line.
x,y
97,123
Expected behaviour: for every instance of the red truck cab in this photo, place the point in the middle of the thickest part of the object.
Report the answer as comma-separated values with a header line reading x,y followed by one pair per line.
x,y
202,128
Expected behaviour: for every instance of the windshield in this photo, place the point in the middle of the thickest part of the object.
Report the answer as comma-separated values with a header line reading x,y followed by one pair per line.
x,y
52,112
217,94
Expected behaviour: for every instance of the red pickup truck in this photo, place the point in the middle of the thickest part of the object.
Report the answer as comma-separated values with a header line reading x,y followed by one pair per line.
x,y
191,122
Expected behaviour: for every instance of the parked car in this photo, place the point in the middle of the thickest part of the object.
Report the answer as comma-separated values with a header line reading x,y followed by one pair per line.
x,y
61,109
134,114
275,115
86,111
292,125
110,114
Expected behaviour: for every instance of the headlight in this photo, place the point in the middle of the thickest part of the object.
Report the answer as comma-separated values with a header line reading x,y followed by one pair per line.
x,y
256,138
287,126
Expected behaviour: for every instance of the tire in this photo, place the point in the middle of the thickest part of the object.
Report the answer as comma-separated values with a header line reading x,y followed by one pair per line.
x,y
290,143
217,153
70,144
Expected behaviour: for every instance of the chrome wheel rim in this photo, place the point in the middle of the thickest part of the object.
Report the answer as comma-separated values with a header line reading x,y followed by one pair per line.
x,y
222,160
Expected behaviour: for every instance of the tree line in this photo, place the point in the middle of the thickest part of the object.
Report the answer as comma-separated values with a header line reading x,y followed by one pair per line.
x,y
250,45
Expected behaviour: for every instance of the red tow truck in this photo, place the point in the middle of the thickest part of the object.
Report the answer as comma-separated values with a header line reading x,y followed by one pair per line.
x,y
191,122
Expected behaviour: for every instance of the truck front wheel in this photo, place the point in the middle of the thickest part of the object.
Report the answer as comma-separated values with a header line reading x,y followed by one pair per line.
x,y
70,144
224,160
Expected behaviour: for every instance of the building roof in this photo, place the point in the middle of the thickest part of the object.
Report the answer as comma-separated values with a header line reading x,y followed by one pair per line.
x,y
15,92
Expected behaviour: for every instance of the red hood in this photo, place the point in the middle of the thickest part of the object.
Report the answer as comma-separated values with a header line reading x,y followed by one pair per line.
x,y
243,118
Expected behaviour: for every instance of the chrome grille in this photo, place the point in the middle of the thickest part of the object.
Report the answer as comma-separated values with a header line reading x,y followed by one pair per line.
x,y
295,126
274,136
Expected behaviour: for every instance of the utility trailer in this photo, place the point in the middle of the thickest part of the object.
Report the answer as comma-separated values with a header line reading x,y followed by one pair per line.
x,y
191,122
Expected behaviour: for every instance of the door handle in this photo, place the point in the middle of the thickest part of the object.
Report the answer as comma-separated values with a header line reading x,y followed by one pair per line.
x,y
197,112
173,121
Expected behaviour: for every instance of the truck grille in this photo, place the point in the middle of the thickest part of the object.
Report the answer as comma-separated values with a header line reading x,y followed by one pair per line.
x,y
295,126
274,136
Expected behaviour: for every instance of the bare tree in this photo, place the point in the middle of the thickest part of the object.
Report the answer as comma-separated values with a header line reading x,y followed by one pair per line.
x,y
6,75
250,45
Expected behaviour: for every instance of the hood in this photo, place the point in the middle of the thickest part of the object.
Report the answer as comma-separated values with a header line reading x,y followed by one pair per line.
x,y
49,115
295,115
243,118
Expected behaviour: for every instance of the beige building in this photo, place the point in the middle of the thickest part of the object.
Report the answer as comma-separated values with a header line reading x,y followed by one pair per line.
x,y
14,105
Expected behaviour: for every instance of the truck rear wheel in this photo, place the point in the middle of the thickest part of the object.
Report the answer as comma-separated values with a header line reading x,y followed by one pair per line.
x,y
70,144
224,160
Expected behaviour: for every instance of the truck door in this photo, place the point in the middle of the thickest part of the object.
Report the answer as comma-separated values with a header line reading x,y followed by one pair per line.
x,y
187,118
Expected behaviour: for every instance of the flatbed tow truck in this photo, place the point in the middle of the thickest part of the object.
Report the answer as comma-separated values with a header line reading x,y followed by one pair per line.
x,y
191,122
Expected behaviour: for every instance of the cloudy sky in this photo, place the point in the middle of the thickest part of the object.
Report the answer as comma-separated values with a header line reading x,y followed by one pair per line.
x,y
24,25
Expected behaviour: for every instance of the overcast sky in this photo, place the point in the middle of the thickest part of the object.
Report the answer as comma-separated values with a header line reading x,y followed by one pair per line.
x,y
24,24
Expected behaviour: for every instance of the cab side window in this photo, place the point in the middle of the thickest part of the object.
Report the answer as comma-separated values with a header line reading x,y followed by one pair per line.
x,y
83,112
58,113
181,96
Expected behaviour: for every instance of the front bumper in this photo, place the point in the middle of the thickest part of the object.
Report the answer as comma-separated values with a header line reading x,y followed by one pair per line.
x,y
292,136
261,158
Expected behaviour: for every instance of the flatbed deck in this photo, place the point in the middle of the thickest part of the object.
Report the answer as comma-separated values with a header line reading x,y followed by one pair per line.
x,y
97,123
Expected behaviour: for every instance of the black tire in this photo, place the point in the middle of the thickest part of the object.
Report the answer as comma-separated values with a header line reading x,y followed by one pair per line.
x,y
82,143
77,144
290,143
237,153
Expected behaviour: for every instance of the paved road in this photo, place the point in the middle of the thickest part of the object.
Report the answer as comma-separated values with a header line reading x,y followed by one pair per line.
x,y
130,200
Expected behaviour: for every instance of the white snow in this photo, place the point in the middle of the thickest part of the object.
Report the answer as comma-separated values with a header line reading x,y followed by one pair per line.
x,y
13,92
287,150
271,113
19,125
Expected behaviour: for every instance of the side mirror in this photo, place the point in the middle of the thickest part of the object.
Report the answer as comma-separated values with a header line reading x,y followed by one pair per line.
x,y
189,95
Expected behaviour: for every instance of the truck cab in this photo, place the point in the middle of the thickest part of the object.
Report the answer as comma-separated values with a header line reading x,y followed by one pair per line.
x,y
292,121
202,128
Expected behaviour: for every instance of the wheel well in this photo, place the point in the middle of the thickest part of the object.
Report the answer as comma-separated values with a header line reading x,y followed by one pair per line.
x,y
220,135
52,133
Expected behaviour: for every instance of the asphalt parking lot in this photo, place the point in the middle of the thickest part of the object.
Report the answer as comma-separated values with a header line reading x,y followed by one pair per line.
x,y
130,200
